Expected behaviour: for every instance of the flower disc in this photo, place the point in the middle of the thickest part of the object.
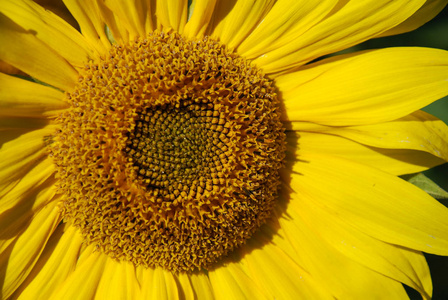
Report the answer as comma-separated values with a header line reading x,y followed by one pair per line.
x,y
170,153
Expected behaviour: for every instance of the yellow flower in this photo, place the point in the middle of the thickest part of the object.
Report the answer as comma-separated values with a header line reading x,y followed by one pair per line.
x,y
176,151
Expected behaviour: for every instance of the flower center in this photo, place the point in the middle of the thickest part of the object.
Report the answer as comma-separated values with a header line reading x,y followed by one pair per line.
x,y
170,153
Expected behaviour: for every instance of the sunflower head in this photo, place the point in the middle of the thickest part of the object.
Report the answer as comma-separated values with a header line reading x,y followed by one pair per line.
x,y
210,149
170,153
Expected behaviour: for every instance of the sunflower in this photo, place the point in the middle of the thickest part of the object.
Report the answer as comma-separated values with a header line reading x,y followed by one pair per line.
x,y
212,150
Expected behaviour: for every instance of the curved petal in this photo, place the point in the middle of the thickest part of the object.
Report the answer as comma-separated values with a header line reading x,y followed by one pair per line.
x,y
134,14
20,125
185,288
234,20
164,286
42,62
280,275
200,19
345,278
83,281
16,220
188,286
172,14
88,16
17,261
426,13
19,156
202,286
393,161
355,22
232,282
118,281
50,29
378,204
57,262
371,87
25,196
418,131
400,264
116,29
145,278
24,98
284,24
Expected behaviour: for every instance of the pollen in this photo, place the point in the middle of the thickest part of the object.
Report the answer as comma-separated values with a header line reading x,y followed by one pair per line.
x,y
170,152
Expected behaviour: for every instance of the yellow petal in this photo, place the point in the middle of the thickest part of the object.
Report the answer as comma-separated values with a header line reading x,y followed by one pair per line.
x,y
10,126
15,148
393,161
172,14
145,278
186,290
417,262
284,23
133,14
57,262
418,131
163,286
15,220
83,281
426,13
372,87
117,27
18,259
22,196
234,20
88,16
232,282
378,204
394,262
127,20
345,278
50,29
355,22
118,281
23,50
8,69
200,19
28,99
202,286
271,268
20,155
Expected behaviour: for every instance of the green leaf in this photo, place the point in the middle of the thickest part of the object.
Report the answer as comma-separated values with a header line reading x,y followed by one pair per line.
x,y
24,77
429,186
109,35
32,79
191,4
